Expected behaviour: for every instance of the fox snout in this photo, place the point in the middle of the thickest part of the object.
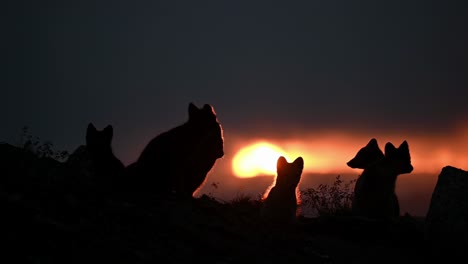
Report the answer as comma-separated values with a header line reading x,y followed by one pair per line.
x,y
354,164
350,164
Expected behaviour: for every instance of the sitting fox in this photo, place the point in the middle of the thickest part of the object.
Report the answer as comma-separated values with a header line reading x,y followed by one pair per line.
x,y
281,203
95,161
178,160
374,192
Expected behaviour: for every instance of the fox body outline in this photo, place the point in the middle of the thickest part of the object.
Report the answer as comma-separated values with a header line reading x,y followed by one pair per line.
x,y
374,192
280,205
178,160
94,165
99,145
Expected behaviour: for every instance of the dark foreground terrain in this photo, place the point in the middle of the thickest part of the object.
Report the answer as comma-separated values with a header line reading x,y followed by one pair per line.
x,y
51,217
202,230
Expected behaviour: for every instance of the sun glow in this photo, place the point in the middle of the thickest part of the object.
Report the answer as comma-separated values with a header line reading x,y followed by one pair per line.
x,y
328,153
257,159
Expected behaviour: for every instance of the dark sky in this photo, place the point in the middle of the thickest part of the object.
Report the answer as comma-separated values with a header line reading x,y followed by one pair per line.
x,y
269,68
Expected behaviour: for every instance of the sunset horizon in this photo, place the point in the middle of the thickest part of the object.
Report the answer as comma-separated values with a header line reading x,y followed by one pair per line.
x,y
329,153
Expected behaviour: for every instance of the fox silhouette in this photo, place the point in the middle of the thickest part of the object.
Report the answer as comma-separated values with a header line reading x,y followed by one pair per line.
x,y
374,192
280,205
99,147
96,161
177,161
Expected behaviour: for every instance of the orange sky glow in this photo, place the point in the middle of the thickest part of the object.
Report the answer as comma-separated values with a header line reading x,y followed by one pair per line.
x,y
248,166
328,153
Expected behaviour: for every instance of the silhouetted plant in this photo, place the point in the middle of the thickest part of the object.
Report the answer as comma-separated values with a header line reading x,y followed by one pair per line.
x,y
244,202
34,145
326,200
242,198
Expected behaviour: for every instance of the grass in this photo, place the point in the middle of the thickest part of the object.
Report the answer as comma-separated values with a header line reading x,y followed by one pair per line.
x,y
329,200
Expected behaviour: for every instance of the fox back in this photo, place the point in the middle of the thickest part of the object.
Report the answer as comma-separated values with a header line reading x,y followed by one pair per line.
x,y
178,161
281,203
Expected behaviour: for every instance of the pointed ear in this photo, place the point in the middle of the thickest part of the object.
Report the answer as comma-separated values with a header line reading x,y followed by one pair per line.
x,y
389,148
193,110
209,109
299,162
404,146
375,146
91,129
90,133
109,131
372,143
281,162
91,126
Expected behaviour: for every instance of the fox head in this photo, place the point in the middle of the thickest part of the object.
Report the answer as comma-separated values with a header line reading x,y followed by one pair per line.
x,y
205,123
366,156
399,158
99,141
289,174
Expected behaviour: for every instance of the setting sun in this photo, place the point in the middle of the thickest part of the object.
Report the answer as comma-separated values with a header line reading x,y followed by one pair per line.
x,y
257,159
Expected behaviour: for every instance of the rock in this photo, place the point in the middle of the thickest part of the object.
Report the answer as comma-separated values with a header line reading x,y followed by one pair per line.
x,y
447,218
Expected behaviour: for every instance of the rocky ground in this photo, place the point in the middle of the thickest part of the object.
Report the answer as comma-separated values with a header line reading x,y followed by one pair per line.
x,y
52,219
203,230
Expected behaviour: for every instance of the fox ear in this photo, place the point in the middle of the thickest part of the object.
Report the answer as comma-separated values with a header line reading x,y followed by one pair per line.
x,y
299,162
208,108
90,133
373,143
91,129
389,148
281,162
193,110
404,146
109,131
